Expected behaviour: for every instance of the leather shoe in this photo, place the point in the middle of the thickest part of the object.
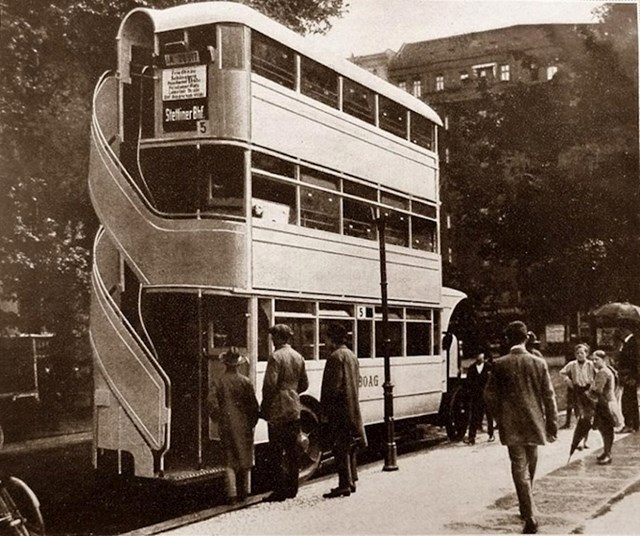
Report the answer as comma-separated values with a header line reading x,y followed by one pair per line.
x,y
605,461
565,426
491,439
601,457
337,492
470,441
625,430
352,487
530,526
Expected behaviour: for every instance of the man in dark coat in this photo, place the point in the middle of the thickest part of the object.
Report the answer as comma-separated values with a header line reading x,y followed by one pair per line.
x,y
341,407
477,377
521,397
284,379
233,404
628,374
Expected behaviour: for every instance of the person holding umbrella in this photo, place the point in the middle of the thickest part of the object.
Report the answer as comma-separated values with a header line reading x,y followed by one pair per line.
x,y
579,374
602,393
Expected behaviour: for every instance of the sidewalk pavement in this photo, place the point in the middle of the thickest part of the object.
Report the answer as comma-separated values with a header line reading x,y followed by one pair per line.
x,y
452,489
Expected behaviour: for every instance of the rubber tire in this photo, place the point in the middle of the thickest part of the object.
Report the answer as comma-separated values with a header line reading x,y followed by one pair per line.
x,y
310,444
457,414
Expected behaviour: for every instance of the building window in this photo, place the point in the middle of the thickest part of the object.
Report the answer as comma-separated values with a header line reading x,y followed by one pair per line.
x,y
551,71
533,69
464,77
446,122
450,255
447,156
439,82
485,70
417,88
402,85
505,75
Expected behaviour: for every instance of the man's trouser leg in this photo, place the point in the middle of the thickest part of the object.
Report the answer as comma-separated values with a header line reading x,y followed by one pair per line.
x,y
570,406
524,459
475,420
629,403
487,412
284,439
291,457
342,454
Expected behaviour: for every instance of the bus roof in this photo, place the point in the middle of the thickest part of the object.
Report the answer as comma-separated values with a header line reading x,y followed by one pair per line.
x,y
200,13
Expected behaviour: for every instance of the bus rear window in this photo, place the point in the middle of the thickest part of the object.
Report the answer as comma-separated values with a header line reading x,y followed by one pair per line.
x,y
273,60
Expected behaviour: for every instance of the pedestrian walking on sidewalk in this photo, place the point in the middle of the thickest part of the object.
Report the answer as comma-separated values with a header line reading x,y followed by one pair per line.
x,y
284,379
521,397
477,377
602,392
628,371
341,409
233,405
579,375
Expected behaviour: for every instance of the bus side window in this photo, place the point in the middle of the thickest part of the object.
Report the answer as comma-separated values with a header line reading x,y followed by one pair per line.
x,y
273,60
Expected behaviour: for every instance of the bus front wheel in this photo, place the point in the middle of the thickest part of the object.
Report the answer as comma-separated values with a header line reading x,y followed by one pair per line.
x,y
457,415
309,443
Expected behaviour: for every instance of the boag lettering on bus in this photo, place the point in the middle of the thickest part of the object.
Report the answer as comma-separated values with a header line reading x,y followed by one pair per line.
x,y
184,92
370,380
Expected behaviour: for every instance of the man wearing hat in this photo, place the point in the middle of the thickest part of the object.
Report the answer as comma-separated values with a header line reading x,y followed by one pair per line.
x,y
341,407
284,379
233,405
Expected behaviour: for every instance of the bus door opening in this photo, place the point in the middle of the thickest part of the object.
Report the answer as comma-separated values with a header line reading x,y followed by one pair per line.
x,y
189,332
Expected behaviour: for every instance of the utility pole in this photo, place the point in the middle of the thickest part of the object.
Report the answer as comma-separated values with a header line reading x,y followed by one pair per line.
x,y
390,455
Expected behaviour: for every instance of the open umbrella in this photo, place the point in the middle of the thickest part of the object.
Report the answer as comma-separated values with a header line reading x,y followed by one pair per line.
x,y
618,312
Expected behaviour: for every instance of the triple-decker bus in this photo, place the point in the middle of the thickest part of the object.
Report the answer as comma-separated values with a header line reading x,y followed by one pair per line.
x,y
235,170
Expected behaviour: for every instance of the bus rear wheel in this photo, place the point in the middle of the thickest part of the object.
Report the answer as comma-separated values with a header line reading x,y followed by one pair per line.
x,y
309,443
457,415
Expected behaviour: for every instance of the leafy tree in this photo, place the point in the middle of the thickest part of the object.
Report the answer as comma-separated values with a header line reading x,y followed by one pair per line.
x,y
545,180
52,54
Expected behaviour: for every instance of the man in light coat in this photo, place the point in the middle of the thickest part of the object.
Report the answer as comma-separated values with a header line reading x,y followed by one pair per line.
x,y
521,397
284,379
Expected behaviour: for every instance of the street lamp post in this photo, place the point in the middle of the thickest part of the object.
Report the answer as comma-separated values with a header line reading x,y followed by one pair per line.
x,y
390,456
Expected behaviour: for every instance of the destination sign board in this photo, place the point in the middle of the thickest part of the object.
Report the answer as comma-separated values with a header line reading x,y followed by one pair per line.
x,y
183,83
182,58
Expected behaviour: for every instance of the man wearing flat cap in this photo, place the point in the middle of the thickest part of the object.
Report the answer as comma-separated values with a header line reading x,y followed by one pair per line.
x,y
284,379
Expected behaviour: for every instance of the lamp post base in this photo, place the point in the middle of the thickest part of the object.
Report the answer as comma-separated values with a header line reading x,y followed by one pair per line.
x,y
390,458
